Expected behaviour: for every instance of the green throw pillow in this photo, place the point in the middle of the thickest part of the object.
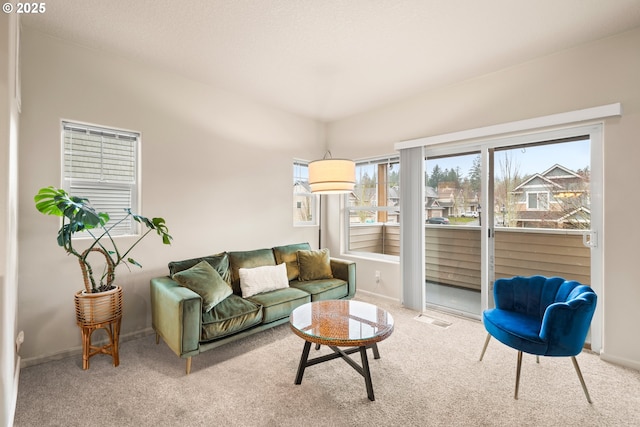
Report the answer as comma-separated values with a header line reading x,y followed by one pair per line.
x,y
218,261
314,265
289,255
204,280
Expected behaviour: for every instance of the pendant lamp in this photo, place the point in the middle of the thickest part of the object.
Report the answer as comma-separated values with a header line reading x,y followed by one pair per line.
x,y
331,176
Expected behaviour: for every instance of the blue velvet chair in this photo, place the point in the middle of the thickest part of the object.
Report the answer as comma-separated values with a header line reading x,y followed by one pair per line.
x,y
541,316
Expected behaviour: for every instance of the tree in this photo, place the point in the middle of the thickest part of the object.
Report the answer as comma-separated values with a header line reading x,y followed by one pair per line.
x,y
436,177
474,175
504,186
365,191
452,176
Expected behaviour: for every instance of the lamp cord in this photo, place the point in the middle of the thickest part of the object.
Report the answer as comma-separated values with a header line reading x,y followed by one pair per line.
x,y
319,221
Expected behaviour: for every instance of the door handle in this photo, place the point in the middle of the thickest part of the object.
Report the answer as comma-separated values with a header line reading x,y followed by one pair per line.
x,y
590,239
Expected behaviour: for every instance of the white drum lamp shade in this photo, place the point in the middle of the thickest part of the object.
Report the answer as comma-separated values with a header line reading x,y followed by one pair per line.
x,y
330,176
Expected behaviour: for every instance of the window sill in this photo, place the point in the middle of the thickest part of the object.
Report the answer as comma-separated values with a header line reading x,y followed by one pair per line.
x,y
369,256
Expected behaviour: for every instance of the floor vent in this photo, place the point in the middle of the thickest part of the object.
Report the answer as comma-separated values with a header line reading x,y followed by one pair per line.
x,y
432,321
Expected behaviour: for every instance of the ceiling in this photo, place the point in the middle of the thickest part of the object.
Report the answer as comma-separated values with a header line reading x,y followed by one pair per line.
x,y
329,59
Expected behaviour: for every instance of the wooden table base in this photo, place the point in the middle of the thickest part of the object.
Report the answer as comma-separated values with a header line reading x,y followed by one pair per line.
x,y
344,354
111,348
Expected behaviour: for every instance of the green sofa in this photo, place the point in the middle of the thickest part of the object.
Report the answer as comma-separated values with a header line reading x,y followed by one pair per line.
x,y
184,323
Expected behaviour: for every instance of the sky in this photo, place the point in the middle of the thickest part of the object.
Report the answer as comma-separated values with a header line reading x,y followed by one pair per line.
x,y
536,159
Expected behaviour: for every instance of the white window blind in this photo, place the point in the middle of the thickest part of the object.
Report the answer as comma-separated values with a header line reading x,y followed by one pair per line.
x,y
101,164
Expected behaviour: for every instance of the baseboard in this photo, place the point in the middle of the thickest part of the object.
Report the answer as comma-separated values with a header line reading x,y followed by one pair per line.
x,y
633,364
375,295
77,351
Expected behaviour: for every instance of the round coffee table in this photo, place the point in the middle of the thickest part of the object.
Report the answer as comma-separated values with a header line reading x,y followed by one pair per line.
x,y
341,323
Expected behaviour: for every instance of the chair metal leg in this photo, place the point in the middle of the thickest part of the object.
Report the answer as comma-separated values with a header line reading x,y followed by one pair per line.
x,y
584,386
486,343
515,396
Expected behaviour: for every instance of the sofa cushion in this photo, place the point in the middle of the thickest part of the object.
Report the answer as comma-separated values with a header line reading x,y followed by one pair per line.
x,y
280,303
204,280
233,314
323,289
289,255
218,261
262,279
247,259
314,265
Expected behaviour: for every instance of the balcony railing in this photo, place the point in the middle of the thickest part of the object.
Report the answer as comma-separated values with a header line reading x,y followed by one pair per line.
x,y
453,252
376,238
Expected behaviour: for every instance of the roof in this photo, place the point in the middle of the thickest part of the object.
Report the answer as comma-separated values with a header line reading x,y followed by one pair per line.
x,y
556,177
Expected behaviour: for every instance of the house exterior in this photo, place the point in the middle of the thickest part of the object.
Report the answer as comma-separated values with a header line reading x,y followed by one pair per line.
x,y
302,202
555,198
432,205
449,200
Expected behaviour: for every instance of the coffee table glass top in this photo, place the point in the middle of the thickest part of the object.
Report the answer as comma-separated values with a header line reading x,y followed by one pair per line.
x,y
341,323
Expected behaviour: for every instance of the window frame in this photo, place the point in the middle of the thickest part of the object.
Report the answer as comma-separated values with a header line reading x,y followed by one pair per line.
x,y
93,189
348,210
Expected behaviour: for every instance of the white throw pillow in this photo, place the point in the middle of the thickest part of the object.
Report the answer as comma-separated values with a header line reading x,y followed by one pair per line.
x,y
262,279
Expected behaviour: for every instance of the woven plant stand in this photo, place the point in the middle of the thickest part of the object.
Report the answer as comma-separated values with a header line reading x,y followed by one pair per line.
x,y
101,310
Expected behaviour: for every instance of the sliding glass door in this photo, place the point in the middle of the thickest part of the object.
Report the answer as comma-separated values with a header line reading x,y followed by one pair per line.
x,y
521,205
452,232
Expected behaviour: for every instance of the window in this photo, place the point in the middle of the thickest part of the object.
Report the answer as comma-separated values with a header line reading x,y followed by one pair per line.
x,y
538,201
102,165
304,202
374,208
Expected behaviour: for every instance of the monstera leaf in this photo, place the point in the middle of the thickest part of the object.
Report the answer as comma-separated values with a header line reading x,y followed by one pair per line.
x,y
77,210
78,215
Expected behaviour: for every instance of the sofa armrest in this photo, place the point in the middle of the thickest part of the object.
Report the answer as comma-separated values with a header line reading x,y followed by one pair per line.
x,y
345,270
176,315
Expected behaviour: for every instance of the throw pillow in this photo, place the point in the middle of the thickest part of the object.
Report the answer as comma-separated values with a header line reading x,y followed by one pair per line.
x,y
204,280
289,255
314,265
218,261
262,279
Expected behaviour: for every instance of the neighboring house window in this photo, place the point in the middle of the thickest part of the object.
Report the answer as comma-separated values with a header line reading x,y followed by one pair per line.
x,y
538,201
304,202
373,208
101,164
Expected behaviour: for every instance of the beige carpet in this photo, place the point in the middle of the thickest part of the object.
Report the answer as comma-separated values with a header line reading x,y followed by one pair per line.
x,y
429,375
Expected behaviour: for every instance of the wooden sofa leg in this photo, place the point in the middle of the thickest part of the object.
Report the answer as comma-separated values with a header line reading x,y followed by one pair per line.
x,y
157,338
188,365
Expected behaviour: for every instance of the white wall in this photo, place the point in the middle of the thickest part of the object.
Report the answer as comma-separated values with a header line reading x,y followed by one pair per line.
x,y
216,166
9,118
595,74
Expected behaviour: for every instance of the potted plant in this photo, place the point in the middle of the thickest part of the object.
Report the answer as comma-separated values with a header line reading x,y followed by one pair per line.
x,y
99,305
